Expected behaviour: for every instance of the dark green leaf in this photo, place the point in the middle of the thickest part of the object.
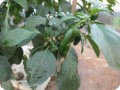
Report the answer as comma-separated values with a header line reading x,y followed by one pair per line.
x,y
41,66
49,32
0,38
7,85
6,26
17,57
88,29
42,10
65,18
65,6
22,3
33,21
38,41
82,44
112,2
49,2
18,35
41,29
7,51
60,1
61,29
26,41
68,78
52,11
25,59
53,21
94,45
109,42
97,10
5,69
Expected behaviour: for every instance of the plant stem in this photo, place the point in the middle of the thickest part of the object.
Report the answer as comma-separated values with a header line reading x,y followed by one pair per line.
x,y
74,6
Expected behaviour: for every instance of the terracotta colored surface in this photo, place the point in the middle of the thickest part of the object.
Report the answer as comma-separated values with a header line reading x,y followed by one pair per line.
x,y
94,72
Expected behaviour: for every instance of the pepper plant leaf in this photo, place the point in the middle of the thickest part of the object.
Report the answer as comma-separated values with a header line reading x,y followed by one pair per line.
x,y
42,10
5,69
97,10
68,78
65,18
22,3
7,85
33,21
6,27
94,45
65,6
7,51
109,42
17,56
18,35
40,66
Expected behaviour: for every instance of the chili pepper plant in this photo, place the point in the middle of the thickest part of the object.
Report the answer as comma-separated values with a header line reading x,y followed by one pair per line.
x,y
53,31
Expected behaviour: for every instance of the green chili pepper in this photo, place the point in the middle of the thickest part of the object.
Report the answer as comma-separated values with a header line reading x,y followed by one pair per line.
x,y
66,41
94,17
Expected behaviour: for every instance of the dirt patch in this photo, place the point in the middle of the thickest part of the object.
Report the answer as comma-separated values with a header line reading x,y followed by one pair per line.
x,y
94,72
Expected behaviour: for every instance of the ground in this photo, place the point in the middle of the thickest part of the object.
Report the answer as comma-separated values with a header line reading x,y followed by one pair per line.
x,y
94,72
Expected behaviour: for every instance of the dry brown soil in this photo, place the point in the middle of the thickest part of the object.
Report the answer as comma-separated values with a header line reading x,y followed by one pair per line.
x,y
94,72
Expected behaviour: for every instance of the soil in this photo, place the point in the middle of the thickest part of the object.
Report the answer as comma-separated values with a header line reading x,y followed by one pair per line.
x,y
94,72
